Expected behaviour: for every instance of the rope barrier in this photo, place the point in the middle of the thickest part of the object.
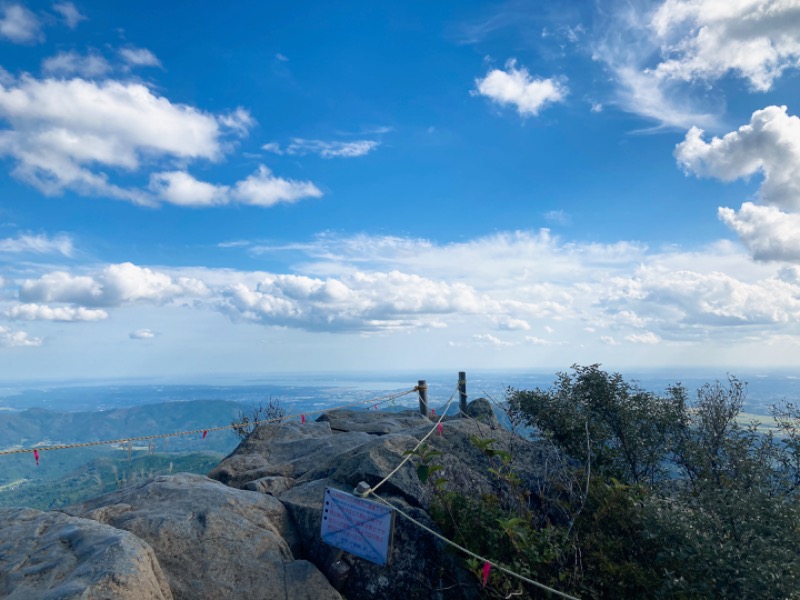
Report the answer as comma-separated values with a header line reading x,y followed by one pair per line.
x,y
497,566
372,492
141,438
411,452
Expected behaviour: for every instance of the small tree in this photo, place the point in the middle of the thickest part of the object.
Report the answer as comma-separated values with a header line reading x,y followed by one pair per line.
x,y
273,412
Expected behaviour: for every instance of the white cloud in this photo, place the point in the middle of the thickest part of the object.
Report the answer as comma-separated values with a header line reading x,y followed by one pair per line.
x,y
769,233
139,57
69,13
647,337
507,323
114,285
178,187
239,121
325,149
516,87
38,244
273,147
262,188
40,312
142,334
487,339
89,65
17,339
769,144
61,131
18,24
706,39
354,302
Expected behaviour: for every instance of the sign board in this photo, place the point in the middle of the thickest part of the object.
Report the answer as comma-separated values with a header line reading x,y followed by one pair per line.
x,y
358,526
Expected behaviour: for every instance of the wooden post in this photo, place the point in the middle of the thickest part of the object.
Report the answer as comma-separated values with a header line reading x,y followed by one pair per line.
x,y
422,386
462,391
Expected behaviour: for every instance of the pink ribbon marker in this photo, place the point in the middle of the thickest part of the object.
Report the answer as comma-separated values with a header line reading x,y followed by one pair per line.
x,y
433,412
36,457
205,433
486,568
440,428
302,419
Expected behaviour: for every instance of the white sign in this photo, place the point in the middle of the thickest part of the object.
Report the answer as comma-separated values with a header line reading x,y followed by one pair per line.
x,y
361,527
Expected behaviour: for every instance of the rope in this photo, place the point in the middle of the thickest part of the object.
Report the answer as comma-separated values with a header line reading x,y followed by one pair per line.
x,y
378,400
438,535
410,453
471,553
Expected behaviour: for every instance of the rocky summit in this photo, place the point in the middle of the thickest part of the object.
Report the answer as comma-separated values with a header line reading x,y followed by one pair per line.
x,y
251,529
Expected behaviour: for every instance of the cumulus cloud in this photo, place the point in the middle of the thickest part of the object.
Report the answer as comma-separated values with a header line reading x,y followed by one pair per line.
x,y
17,339
112,286
353,302
178,187
665,61
88,65
515,86
40,312
769,144
262,188
139,57
38,244
69,13
706,39
142,334
62,131
18,24
325,149
769,233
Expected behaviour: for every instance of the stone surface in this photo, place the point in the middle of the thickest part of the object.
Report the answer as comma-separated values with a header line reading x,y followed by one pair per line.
x,y
285,450
374,422
212,541
50,555
272,485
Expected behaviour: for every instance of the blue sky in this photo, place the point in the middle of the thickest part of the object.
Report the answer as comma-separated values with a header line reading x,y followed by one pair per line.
x,y
188,189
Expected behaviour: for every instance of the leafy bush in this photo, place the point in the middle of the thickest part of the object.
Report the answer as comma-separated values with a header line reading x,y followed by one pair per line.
x,y
648,495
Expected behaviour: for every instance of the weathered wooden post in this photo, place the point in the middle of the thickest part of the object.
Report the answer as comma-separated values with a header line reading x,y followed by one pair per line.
x,y
422,388
462,391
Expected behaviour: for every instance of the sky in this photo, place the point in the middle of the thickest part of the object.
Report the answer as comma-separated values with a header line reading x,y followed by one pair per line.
x,y
194,189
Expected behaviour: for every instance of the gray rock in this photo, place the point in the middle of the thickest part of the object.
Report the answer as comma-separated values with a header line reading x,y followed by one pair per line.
x,y
481,410
285,450
418,567
53,556
374,422
273,485
212,541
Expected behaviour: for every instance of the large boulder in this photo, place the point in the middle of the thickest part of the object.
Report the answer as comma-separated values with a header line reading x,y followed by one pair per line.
x,y
285,450
51,555
213,541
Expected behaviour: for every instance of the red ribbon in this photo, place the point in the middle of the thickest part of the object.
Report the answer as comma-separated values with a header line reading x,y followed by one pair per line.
x,y
440,428
433,412
205,433
36,456
486,568
302,419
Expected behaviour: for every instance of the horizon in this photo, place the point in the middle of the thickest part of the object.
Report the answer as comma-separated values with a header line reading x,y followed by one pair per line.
x,y
196,193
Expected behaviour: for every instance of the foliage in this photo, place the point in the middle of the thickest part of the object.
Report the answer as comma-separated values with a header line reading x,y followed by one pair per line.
x,y
272,412
643,495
